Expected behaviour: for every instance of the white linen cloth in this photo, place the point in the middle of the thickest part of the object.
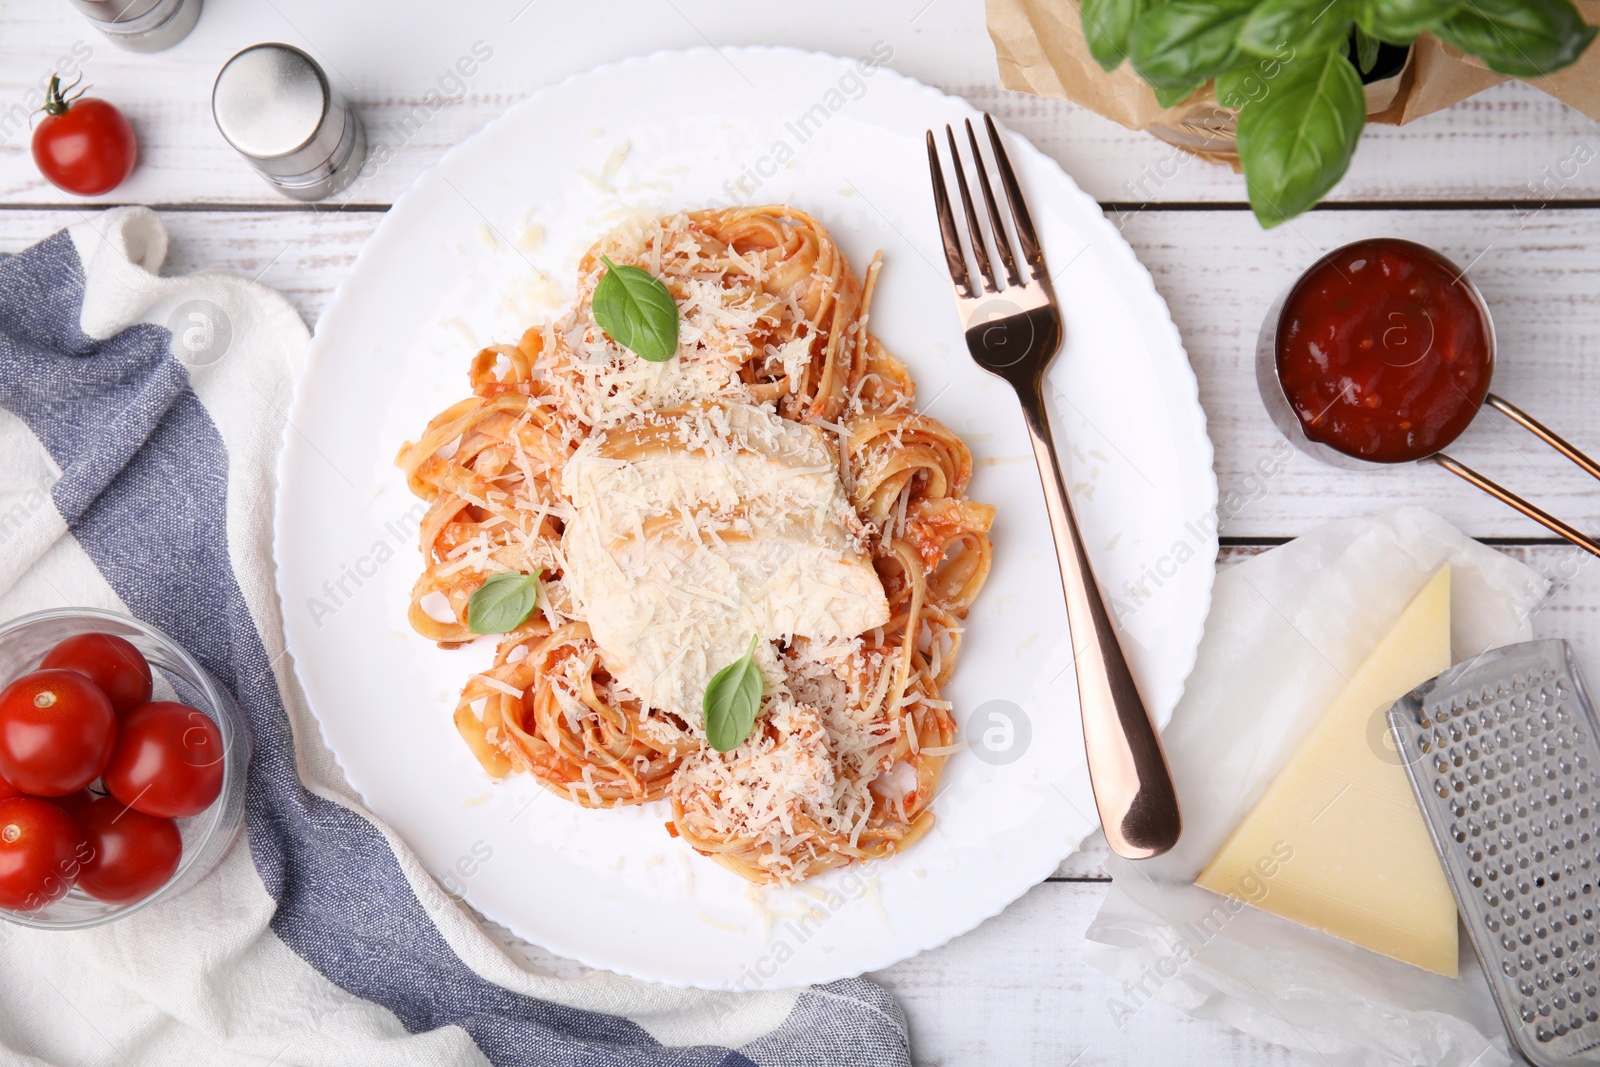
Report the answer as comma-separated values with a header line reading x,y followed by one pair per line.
x,y
140,417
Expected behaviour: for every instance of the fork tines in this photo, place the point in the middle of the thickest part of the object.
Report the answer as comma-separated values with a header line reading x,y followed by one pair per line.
x,y
955,258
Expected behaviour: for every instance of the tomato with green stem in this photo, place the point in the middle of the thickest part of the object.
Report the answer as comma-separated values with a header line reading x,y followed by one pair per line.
x,y
83,145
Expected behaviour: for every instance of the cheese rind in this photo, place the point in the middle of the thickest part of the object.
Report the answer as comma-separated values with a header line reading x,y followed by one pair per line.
x,y
1361,865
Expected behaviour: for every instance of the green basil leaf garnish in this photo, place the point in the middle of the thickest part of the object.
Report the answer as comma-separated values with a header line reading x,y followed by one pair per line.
x,y
1187,42
1522,38
637,311
502,603
732,700
1296,141
1106,24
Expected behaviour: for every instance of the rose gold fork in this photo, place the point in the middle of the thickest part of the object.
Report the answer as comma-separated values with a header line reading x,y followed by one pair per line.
x,y
1013,332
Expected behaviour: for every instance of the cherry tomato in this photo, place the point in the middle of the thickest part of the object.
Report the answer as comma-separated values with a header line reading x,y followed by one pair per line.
x,y
7,790
74,803
40,853
108,661
167,761
56,732
83,145
130,854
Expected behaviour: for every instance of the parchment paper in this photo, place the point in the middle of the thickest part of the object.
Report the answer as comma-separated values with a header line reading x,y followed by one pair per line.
x,y
1285,629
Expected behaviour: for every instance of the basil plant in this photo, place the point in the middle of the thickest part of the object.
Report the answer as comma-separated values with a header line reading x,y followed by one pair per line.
x,y
1292,68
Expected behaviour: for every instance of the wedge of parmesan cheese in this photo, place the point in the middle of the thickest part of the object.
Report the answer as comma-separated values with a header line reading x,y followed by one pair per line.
x,y
1339,829
696,529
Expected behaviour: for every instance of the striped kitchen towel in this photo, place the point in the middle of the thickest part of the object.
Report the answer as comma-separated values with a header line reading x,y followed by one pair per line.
x,y
139,421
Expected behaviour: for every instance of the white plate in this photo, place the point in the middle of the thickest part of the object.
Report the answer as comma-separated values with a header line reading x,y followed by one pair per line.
x,y
458,262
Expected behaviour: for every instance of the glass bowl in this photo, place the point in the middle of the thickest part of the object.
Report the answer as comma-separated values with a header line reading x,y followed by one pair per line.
x,y
207,836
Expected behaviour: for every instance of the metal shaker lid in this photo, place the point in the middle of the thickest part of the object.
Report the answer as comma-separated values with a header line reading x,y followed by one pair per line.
x,y
117,10
273,103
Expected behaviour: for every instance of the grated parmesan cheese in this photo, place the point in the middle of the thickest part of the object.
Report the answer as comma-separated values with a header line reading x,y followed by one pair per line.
x,y
499,686
728,522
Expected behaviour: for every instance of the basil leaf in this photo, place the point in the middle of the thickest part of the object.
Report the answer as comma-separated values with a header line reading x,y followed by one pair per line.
x,y
1304,25
1399,21
1366,50
502,603
1187,42
1174,97
732,700
1105,27
1522,38
1295,143
1236,87
637,311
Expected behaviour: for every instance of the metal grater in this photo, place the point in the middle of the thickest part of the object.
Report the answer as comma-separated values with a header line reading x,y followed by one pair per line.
x,y
1503,755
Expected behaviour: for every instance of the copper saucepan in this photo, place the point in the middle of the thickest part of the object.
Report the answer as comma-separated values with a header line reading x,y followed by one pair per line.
x,y
1310,431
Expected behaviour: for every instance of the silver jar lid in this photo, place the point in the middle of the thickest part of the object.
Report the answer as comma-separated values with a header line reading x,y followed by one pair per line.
x,y
142,25
273,104
116,10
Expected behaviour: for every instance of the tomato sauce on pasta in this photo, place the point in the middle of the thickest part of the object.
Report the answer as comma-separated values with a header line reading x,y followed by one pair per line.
x,y
845,757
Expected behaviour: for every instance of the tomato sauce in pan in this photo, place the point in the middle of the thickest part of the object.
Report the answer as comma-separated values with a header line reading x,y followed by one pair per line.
x,y
1384,351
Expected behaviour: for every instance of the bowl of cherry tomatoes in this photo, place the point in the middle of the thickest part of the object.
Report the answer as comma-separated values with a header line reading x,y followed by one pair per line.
x,y
122,768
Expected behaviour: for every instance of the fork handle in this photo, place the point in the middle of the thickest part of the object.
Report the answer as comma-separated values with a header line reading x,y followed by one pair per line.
x,y
1133,787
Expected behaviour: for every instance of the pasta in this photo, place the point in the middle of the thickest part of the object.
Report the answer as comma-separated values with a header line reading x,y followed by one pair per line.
x,y
775,367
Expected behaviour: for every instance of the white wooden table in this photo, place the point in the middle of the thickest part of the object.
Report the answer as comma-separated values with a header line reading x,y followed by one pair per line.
x,y
1485,182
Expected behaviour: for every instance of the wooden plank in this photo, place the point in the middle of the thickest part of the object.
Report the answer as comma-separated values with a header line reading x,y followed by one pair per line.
x,y
1510,143
303,256
1085,865
1539,272
1219,272
1015,991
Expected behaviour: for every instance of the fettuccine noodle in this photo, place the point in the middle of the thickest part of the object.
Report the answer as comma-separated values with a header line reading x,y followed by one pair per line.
x,y
845,758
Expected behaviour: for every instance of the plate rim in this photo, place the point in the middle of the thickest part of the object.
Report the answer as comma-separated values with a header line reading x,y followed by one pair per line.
x,y
403,205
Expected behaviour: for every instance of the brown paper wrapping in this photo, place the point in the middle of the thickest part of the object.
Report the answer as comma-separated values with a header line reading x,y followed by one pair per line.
x,y
1040,49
